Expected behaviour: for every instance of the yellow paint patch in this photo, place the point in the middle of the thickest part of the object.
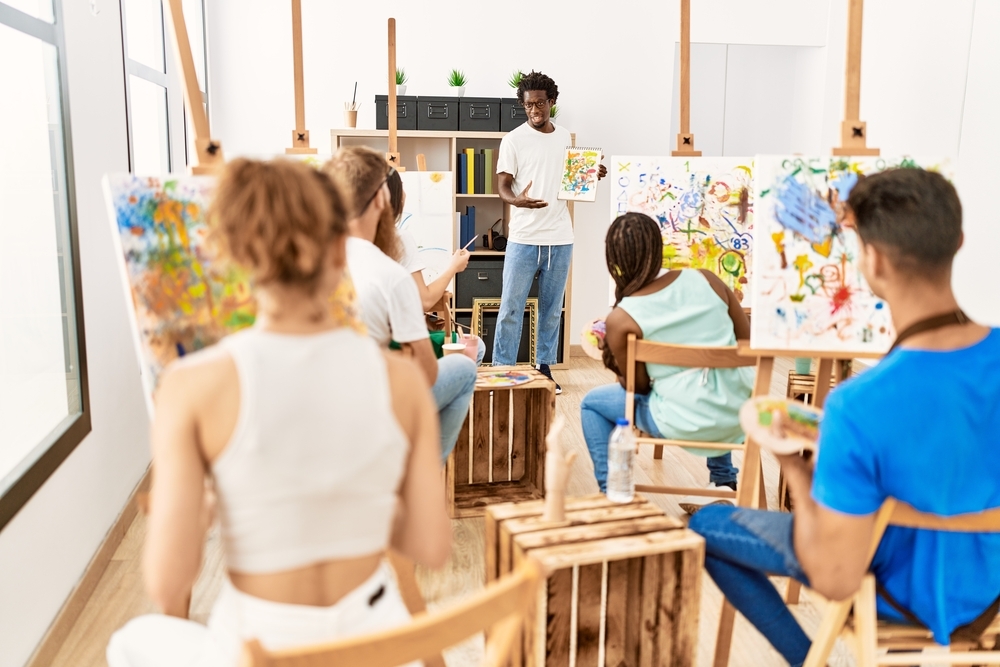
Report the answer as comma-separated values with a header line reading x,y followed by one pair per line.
x,y
436,177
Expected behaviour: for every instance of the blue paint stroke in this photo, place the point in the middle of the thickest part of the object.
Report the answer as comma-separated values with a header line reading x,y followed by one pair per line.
x,y
803,211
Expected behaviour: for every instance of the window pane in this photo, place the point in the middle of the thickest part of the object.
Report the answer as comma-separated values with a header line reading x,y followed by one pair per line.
x,y
41,9
39,373
144,32
194,20
150,150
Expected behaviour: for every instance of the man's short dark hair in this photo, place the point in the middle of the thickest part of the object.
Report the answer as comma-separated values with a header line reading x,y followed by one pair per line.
x,y
537,81
913,215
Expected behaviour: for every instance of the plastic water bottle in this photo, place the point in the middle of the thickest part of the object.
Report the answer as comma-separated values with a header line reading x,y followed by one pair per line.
x,y
621,453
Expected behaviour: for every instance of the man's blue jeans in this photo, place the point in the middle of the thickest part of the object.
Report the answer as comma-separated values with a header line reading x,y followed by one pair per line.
x,y
521,263
452,391
742,547
598,412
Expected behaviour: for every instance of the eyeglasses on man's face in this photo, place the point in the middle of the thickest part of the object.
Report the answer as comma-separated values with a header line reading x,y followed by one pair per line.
x,y
541,104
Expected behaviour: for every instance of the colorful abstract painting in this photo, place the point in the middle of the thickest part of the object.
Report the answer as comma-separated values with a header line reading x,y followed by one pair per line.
x,y
429,216
704,207
809,293
580,169
182,297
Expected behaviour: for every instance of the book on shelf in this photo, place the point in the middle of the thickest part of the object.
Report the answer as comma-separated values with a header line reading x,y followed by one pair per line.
x,y
470,216
480,180
463,169
463,230
470,183
489,171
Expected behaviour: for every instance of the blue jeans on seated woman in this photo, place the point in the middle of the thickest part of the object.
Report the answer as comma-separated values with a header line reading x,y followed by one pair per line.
x,y
598,412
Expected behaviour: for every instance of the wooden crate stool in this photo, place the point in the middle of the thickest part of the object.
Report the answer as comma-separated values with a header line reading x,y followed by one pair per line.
x,y
624,586
500,454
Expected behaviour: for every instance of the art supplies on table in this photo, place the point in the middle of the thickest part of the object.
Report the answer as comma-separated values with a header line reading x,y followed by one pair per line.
x,y
781,425
580,170
502,379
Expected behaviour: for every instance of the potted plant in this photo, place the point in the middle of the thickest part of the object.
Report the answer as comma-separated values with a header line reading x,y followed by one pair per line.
x,y
401,81
457,81
554,111
515,79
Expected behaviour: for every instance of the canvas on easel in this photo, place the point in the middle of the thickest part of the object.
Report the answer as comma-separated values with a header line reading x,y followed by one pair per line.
x,y
182,297
428,215
809,293
704,207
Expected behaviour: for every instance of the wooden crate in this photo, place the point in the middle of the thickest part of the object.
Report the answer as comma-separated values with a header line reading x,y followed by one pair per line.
x,y
500,454
624,588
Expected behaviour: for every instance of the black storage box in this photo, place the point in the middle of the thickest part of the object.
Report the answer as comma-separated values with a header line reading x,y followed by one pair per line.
x,y
524,349
512,114
479,114
406,112
437,113
483,279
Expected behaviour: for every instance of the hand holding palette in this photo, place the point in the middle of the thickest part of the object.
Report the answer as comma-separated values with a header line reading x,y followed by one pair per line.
x,y
780,425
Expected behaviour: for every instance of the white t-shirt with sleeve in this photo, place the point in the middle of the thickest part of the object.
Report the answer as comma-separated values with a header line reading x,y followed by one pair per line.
x,y
387,296
535,157
410,258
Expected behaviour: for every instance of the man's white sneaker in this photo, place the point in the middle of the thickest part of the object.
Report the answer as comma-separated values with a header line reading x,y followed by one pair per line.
x,y
692,504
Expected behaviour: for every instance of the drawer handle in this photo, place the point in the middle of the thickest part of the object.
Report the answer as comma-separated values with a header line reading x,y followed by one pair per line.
x,y
483,276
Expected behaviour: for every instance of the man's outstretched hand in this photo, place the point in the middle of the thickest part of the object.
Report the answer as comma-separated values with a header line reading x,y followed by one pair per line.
x,y
524,201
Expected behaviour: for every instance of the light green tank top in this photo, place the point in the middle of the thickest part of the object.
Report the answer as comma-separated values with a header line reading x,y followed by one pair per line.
x,y
692,403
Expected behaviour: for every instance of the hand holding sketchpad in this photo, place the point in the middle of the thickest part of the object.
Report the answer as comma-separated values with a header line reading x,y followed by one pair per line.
x,y
780,425
581,171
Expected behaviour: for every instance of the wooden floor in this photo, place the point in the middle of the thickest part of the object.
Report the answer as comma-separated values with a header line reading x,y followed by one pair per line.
x,y
119,595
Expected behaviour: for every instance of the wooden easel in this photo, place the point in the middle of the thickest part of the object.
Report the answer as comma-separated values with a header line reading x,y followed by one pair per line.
x,y
300,135
208,152
853,130
392,156
685,140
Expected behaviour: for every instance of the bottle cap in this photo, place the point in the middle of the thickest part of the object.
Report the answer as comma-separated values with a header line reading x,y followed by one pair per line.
x,y
621,421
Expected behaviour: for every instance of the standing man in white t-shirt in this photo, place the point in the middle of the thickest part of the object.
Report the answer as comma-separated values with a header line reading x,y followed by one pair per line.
x,y
540,234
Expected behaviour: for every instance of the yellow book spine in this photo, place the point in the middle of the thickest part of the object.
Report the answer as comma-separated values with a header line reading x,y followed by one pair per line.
x,y
471,171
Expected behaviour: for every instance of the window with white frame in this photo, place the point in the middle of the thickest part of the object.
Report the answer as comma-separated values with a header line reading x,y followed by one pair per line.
x,y
44,404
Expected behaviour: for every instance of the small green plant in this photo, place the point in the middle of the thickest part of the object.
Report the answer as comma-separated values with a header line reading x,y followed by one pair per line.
x,y
457,78
554,111
401,77
515,79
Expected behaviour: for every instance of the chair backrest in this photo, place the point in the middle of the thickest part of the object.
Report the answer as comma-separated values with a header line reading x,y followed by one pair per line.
x,y
687,356
897,513
500,608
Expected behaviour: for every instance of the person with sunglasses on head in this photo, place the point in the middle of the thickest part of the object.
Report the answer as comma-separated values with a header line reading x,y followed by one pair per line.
x,y
387,295
540,235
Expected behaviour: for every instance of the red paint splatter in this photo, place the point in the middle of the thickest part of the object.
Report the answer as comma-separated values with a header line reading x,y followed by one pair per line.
x,y
841,297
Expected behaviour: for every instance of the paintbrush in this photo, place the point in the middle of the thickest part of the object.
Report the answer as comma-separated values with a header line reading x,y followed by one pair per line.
x,y
471,241
353,105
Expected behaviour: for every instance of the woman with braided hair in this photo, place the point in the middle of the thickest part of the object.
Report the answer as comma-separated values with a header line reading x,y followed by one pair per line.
x,y
685,307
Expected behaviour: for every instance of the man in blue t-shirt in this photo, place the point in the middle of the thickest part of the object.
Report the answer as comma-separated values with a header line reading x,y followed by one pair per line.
x,y
923,426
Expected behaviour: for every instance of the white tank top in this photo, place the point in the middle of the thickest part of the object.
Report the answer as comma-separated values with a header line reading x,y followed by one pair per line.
x,y
312,470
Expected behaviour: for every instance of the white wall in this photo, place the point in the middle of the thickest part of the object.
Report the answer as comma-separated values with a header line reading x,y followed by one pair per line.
x,y
979,169
46,547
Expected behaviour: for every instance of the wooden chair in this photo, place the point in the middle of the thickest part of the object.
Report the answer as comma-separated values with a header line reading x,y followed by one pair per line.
x,y
868,634
499,610
751,476
444,312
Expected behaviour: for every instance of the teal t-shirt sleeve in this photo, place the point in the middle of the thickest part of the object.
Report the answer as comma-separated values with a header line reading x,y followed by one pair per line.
x,y
845,478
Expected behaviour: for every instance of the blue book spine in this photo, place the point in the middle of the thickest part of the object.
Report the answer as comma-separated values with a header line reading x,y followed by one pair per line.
x,y
471,212
463,173
463,230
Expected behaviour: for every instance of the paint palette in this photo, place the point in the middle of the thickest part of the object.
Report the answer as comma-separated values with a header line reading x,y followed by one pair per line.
x,y
797,426
502,379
